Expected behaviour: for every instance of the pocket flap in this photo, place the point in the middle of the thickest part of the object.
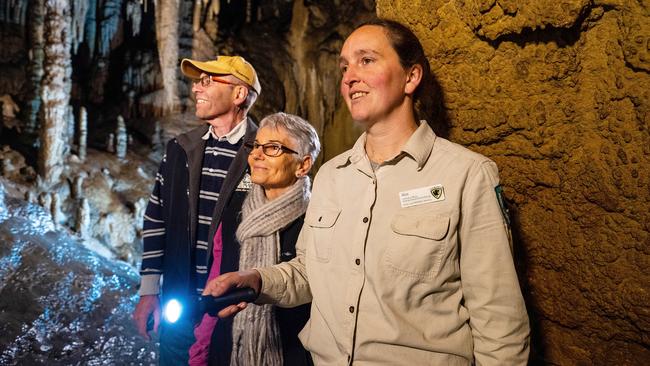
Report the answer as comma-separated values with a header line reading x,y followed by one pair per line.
x,y
429,227
322,217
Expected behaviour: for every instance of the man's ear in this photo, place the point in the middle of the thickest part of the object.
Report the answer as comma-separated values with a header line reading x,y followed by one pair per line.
x,y
413,79
242,94
304,166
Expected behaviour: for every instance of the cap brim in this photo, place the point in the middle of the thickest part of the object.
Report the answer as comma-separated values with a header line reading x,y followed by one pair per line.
x,y
193,69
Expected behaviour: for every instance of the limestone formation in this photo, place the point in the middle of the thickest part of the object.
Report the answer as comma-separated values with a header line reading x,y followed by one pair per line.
x,y
121,138
556,92
55,93
83,133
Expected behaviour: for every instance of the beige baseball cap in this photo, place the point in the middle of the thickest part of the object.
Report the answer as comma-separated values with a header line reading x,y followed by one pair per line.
x,y
223,65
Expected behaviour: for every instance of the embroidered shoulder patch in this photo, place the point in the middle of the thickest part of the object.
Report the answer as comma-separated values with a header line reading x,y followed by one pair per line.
x,y
502,204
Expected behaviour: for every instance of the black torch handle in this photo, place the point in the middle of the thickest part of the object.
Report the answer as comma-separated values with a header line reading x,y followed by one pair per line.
x,y
212,305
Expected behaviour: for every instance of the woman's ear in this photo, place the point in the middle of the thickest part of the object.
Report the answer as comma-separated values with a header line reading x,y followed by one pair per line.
x,y
413,79
304,166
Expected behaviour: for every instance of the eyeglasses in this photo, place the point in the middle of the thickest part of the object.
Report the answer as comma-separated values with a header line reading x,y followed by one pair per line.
x,y
206,80
271,149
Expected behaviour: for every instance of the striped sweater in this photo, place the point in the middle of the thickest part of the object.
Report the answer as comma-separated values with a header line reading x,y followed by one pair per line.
x,y
217,157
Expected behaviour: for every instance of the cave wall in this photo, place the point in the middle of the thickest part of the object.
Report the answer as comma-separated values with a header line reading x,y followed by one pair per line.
x,y
557,93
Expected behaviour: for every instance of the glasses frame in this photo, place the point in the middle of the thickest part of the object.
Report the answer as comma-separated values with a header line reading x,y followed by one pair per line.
x,y
252,146
206,80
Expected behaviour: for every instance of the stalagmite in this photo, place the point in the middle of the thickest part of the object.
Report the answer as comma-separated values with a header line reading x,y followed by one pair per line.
x,y
77,187
83,133
110,143
167,14
35,63
29,196
56,89
55,209
156,138
45,200
83,218
121,137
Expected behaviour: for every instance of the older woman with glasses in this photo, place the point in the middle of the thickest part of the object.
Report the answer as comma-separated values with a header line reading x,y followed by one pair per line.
x,y
261,231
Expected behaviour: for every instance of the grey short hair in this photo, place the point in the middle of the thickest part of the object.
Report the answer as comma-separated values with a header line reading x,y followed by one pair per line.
x,y
250,99
298,129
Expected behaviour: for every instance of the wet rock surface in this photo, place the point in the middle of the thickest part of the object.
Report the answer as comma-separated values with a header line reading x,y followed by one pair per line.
x,y
60,303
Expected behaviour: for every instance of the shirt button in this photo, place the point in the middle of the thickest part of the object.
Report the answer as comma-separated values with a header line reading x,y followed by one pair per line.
x,y
357,261
365,219
351,309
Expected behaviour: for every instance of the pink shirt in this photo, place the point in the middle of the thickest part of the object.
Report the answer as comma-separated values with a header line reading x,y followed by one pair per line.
x,y
203,332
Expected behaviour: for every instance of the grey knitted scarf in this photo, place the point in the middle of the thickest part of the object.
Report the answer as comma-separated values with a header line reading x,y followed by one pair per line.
x,y
255,331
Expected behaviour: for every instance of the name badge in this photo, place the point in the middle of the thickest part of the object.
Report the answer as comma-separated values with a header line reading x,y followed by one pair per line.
x,y
420,196
245,184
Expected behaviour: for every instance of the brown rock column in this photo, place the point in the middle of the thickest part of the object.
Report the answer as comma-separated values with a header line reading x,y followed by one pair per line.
x,y
55,92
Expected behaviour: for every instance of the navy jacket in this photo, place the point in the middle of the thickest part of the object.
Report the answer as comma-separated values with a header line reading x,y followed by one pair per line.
x,y
180,194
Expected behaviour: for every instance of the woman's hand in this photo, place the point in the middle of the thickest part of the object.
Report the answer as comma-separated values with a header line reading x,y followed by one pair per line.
x,y
220,285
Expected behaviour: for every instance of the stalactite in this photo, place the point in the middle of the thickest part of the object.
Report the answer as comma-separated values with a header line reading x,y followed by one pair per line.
x,y
90,26
167,13
134,15
82,222
13,11
9,107
56,89
83,133
249,11
79,9
35,64
121,137
109,25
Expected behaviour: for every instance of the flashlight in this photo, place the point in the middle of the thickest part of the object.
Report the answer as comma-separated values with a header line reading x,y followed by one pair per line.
x,y
209,304
212,305
172,311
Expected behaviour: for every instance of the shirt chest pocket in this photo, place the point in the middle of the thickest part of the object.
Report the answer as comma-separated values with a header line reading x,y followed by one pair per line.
x,y
322,224
418,244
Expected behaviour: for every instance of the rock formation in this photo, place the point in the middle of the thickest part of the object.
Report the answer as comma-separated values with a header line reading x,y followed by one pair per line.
x,y
556,92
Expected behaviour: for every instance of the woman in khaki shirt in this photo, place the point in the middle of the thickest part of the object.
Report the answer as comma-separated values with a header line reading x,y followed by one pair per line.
x,y
404,252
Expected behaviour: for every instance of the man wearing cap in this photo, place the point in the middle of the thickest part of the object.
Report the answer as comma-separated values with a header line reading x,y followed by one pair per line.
x,y
199,173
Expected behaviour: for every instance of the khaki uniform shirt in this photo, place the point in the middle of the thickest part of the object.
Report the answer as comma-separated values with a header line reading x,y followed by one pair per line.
x,y
432,283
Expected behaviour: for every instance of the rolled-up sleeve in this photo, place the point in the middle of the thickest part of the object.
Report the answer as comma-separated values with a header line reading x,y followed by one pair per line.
x,y
498,317
285,284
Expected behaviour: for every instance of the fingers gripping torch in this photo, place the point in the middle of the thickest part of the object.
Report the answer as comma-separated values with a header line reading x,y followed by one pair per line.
x,y
211,305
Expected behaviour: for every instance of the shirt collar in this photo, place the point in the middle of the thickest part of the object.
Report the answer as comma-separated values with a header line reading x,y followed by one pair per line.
x,y
418,146
232,137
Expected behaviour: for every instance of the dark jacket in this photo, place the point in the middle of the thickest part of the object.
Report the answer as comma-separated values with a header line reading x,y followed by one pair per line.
x,y
180,194
291,321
